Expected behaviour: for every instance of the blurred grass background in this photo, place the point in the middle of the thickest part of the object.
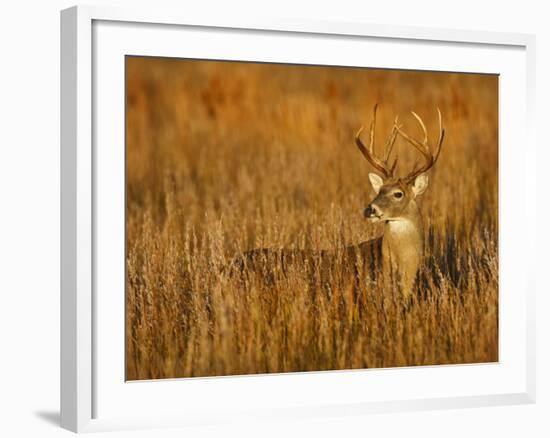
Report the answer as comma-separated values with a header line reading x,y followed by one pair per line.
x,y
224,157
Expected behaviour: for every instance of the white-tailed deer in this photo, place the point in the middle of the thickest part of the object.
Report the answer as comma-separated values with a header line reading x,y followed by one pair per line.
x,y
398,253
395,201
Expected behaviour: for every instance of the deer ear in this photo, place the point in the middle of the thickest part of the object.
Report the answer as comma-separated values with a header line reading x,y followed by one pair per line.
x,y
376,182
420,184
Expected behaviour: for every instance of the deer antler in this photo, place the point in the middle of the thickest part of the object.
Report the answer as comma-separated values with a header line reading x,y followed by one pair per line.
x,y
429,157
379,164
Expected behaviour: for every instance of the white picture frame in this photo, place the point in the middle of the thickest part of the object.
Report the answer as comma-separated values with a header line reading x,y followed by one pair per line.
x,y
93,39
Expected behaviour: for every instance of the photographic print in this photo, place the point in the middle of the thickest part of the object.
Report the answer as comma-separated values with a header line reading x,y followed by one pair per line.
x,y
290,218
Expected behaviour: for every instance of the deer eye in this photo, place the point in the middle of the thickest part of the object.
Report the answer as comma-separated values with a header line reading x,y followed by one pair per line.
x,y
398,195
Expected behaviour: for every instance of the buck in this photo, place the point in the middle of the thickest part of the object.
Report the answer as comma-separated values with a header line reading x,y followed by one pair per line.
x,y
402,243
399,252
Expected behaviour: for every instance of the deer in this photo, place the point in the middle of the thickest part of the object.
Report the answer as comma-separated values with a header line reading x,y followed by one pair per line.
x,y
399,252
395,202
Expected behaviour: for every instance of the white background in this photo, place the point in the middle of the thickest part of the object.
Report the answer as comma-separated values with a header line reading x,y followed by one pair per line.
x,y
29,217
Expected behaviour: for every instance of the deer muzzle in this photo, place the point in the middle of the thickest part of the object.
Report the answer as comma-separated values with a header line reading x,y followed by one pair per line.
x,y
372,212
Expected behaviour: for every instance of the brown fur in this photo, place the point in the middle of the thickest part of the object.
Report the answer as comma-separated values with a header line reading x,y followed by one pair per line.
x,y
403,240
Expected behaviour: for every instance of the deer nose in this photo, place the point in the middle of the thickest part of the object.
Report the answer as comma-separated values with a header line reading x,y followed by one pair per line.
x,y
370,211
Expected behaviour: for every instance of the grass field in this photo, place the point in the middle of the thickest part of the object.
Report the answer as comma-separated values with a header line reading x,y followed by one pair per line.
x,y
227,157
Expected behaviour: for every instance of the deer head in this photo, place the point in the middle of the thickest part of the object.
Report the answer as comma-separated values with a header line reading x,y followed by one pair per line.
x,y
395,196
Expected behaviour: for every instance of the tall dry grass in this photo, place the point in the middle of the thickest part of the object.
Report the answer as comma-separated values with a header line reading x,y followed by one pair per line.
x,y
228,157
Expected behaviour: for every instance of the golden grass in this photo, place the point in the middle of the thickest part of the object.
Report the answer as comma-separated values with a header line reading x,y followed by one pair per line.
x,y
227,157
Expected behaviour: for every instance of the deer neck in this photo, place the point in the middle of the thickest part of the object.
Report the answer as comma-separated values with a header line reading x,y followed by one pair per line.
x,y
406,231
404,244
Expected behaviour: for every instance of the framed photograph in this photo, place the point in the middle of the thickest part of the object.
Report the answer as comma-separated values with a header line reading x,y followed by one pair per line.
x,y
282,218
